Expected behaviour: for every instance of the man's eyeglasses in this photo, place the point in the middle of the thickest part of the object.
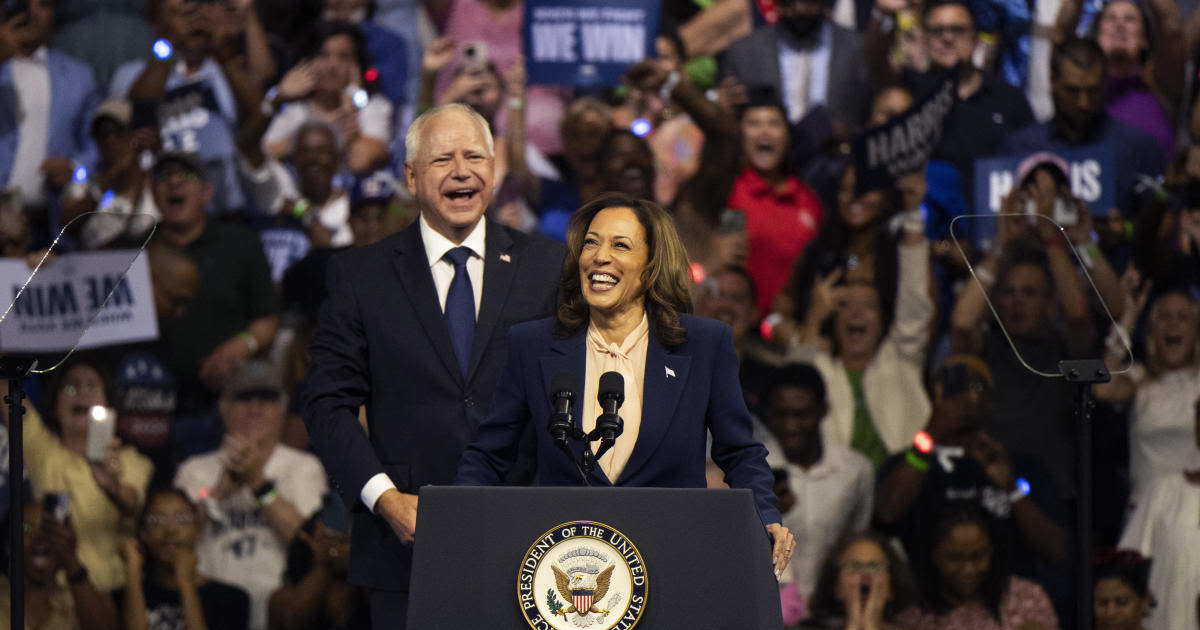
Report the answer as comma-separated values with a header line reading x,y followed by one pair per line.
x,y
956,31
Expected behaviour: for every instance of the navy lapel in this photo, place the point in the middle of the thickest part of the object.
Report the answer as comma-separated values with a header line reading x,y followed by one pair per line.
x,y
499,269
570,355
666,376
412,269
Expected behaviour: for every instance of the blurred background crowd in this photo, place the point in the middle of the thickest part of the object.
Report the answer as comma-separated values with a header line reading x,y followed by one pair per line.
x,y
264,136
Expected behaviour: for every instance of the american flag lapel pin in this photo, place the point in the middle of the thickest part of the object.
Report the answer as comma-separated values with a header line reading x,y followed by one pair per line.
x,y
669,372
505,258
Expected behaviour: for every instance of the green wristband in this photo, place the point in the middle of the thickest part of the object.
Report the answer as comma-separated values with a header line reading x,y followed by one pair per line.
x,y
915,461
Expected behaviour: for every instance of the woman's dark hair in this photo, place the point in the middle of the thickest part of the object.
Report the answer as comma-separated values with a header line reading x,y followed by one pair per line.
x,y
665,277
1082,53
766,96
937,4
995,584
828,251
323,30
1148,33
616,133
1126,565
825,607
57,380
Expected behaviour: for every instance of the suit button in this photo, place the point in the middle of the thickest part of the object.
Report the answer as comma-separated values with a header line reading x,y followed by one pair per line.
x,y
470,402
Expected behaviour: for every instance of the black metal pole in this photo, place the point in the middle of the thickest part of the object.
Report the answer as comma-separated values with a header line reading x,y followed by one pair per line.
x,y
1084,373
14,369
1084,532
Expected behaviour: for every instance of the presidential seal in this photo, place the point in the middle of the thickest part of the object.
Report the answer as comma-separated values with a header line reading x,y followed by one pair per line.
x,y
582,574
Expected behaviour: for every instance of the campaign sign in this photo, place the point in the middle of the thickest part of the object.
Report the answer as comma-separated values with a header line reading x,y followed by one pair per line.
x,y
1093,178
587,43
903,144
66,296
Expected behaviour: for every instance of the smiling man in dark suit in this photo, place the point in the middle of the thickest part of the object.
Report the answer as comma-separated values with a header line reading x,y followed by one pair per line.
x,y
416,329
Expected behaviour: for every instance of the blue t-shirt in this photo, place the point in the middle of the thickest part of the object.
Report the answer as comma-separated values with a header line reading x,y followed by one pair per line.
x,y
1136,152
197,114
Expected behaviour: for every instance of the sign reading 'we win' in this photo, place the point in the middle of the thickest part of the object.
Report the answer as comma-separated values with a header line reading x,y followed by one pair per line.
x,y
587,43
80,297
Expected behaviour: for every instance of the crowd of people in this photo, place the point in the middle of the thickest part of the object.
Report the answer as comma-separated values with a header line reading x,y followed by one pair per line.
x,y
897,342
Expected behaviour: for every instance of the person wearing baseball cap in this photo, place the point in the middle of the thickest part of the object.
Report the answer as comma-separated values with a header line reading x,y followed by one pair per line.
x,y
255,491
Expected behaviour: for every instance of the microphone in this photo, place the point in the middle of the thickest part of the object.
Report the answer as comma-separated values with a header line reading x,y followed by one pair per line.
x,y
562,388
609,425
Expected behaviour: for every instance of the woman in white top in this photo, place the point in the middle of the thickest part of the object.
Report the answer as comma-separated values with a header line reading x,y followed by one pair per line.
x,y
327,86
1166,528
1162,389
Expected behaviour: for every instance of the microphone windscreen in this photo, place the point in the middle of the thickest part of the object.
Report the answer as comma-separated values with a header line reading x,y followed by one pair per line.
x,y
612,384
563,383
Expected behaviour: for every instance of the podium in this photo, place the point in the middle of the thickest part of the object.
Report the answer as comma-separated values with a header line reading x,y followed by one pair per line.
x,y
706,555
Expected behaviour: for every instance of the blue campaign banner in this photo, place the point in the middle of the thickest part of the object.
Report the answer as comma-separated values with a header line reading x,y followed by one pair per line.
x,y
1093,178
587,43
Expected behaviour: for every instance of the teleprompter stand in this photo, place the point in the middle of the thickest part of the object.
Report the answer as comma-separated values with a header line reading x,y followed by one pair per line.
x,y
14,369
706,553
1084,373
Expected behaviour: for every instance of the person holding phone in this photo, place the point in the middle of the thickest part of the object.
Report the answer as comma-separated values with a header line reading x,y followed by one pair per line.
x,y
953,458
102,490
58,590
164,589
327,85
874,366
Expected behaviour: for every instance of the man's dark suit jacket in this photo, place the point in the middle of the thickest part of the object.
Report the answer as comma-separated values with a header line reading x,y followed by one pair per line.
x,y
687,392
381,341
754,61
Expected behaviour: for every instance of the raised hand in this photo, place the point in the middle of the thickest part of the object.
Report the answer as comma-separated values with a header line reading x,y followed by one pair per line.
x,y
994,458
825,295
438,54
131,551
107,473
731,94
63,542
185,566
1136,293
299,82
514,78
648,75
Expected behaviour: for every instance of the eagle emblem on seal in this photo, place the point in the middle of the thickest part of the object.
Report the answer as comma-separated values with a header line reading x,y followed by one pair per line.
x,y
582,588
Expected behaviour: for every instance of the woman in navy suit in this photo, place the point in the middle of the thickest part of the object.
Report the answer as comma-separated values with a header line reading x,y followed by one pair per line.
x,y
625,296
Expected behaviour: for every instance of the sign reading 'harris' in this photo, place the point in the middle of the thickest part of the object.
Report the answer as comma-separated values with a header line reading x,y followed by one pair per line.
x,y
582,574
587,43
903,144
